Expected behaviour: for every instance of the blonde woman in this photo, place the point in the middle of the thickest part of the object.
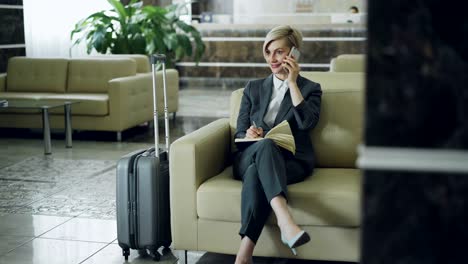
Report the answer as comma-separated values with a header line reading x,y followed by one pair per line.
x,y
264,168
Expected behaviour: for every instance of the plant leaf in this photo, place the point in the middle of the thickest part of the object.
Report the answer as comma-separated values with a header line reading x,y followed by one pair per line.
x,y
185,27
99,40
171,41
185,44
117,5
136,28
136,5
138,45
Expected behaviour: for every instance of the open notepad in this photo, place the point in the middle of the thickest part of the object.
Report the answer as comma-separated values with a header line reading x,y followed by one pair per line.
x,y
281,134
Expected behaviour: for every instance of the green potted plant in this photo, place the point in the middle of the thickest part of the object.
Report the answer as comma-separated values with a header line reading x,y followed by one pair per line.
x,y
139,29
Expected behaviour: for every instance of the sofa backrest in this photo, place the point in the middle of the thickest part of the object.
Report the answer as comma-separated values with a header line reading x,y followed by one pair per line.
x,y
91,75
348,63
339,130
36,74
2,82
142,61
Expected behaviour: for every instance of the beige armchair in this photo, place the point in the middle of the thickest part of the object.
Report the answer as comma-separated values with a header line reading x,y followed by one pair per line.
x,y
348,63
205,199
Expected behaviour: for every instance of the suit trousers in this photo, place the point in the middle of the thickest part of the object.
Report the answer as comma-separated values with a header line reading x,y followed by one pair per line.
x,y
265,170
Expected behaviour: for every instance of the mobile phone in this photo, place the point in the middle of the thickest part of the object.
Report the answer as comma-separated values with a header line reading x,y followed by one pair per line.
x,y
295,53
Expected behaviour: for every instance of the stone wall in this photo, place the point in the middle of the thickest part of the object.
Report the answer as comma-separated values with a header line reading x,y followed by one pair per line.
x,y
236,52
415,200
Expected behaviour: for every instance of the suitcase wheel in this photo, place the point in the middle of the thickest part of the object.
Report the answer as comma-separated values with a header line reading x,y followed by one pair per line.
x,y
126,253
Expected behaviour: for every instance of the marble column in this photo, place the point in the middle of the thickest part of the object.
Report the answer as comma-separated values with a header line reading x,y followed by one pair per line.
x,y
415,156
11,31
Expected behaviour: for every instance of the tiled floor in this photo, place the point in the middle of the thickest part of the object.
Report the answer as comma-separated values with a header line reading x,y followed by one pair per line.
x,y
60,208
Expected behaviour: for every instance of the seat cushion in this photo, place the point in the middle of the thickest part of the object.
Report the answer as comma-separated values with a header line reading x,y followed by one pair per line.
x,y
36,75
330,197
24,95
89,104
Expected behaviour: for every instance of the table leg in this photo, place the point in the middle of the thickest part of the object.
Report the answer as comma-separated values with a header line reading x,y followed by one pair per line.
x,y
46,131
68,129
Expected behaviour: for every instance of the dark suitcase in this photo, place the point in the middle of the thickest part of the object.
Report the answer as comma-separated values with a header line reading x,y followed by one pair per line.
x,y
143,213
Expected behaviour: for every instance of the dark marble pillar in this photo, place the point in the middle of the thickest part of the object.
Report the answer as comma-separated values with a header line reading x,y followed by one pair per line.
x,y
6,54
12,26
11,2
417,99
11,31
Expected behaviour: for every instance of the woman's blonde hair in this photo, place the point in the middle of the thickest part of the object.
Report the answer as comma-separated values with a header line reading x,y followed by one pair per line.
x,y
292,35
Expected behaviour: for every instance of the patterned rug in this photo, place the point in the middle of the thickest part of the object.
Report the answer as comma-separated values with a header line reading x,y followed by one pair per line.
x,y
60,187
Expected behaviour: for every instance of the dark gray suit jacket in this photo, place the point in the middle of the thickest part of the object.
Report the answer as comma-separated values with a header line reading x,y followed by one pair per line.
x,y
301,118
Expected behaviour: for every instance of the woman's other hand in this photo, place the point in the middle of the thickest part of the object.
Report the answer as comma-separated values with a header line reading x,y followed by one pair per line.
x,y
254,132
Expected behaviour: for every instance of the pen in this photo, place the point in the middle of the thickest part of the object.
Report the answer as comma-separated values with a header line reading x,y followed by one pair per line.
x,y
253,124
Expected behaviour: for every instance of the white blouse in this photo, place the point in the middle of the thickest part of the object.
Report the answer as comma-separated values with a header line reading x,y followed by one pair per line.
x,y
279,90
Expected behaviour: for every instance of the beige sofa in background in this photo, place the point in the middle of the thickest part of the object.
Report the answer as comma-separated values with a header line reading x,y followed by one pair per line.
x,y
112,95
348,63
142,61
206,200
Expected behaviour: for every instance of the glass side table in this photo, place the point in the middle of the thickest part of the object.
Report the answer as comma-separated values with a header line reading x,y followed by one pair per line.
x,y
44,106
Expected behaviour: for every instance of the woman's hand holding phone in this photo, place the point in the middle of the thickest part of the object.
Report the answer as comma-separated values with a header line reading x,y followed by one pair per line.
x,y
290,64
295,53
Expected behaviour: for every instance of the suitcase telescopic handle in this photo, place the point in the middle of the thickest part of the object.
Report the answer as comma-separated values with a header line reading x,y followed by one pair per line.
x,y
155,58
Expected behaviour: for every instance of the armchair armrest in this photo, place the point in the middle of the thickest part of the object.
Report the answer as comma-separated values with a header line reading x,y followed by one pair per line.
x,y
172,85
130,100
195,158
3,82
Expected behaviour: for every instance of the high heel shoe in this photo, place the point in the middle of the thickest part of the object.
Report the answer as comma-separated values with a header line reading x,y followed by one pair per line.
x,y
298,240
